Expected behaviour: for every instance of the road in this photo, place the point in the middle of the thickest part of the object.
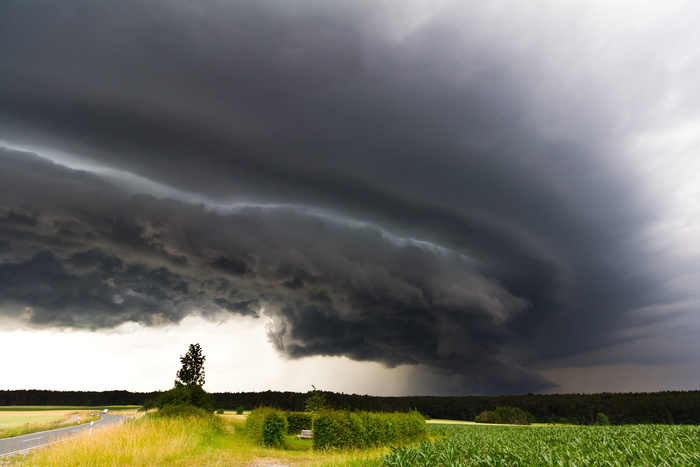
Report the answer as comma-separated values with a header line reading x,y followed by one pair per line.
x,y
20,444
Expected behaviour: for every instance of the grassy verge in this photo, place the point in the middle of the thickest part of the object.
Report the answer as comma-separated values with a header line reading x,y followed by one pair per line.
x,y
189,441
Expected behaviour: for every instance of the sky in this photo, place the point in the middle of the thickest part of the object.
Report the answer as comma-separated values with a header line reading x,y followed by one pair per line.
x,y
375,197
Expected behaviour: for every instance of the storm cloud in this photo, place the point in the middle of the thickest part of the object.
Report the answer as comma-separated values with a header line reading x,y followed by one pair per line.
x,y
443,185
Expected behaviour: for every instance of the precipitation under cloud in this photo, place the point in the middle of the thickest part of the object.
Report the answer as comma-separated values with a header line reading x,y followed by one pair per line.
x,y
491,196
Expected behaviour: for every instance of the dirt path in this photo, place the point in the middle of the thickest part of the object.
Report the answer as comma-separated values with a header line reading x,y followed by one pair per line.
x,y
268,462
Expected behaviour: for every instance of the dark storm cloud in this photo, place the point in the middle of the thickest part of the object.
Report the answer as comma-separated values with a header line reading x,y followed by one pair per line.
x,y
331,287
443,198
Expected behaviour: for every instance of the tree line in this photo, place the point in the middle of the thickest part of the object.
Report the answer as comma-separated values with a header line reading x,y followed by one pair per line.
x,y
669,407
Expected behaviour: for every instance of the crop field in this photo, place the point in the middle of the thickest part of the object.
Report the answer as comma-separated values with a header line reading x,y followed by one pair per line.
x,y
629,445
17,418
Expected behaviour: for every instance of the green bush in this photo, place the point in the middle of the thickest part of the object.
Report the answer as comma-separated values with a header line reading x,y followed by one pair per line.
x,y
602,420
297,421
274,429
187,395
267,426
335,429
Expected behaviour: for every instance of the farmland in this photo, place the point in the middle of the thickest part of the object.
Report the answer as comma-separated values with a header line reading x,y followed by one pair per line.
x,y
629,445
19,420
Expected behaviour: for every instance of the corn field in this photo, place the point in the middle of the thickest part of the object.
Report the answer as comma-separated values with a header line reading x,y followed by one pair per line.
x,y
628,445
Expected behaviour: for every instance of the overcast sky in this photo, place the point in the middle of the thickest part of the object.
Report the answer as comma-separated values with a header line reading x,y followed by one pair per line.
x,y
382,197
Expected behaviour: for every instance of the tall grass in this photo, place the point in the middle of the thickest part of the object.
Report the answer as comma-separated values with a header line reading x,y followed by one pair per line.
x,y
189,441
149,441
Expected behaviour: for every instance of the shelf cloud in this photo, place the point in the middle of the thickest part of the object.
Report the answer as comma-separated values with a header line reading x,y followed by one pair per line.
x,y
479,191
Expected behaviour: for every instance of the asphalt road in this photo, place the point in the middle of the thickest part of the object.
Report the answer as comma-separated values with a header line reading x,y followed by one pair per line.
x,y
20,444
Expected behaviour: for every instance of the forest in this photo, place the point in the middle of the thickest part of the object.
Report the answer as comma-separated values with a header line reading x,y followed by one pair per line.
x,y
669,407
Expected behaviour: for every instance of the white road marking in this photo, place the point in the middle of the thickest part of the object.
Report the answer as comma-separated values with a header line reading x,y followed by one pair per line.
x,y
31,439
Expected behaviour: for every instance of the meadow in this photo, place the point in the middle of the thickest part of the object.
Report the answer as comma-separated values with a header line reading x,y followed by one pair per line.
x,y
193,441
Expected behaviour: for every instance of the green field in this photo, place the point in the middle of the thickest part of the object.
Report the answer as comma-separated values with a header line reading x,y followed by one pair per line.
x,y
480,445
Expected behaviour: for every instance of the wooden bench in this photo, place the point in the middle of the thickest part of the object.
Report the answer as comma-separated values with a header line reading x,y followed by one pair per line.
x,y
306,434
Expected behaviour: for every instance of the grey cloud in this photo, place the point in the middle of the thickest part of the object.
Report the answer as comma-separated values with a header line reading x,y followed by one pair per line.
x,y
490,137
330,287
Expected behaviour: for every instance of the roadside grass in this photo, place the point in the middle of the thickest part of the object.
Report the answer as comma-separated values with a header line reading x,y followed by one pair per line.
x,y
192,441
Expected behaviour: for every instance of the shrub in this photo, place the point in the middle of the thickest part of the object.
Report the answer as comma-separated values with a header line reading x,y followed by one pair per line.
x,y
239,410
297,421
335,429
274,429
267,426
187,395
148,404
220,411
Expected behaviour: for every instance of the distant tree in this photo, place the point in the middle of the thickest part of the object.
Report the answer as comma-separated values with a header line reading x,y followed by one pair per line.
x,y
488,416
513,415
601,419
314,404
192,371
508,415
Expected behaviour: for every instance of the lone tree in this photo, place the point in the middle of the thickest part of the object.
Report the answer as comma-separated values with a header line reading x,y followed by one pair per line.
x,y
192,371
188,389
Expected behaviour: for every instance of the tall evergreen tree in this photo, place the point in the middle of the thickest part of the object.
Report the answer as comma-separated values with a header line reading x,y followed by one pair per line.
x,y
192,371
